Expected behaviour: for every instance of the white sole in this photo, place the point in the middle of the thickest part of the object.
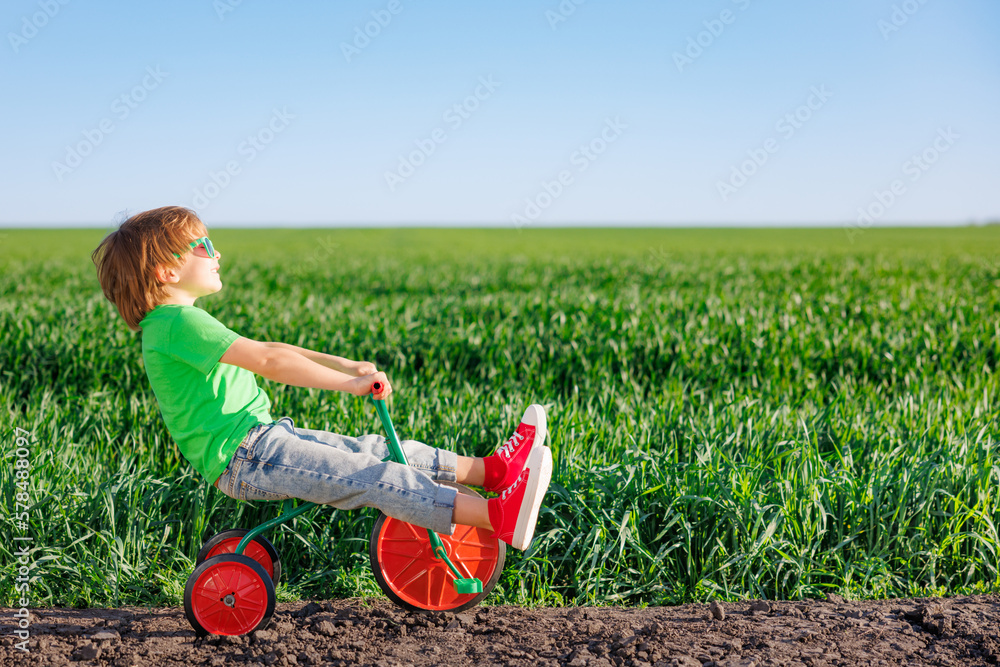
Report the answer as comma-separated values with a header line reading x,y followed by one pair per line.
x,y
539,474
541,430
537,413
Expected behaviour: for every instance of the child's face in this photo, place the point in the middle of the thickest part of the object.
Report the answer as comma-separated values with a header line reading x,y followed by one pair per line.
x,y
198,275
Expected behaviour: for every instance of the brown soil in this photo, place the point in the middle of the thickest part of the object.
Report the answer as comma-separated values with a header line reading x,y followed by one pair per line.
x,y
948,631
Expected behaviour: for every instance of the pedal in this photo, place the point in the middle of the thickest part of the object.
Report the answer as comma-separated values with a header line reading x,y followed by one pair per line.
x,y
465,586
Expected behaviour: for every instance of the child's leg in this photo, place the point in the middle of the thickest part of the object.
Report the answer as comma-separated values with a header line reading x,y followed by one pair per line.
x,y
471,511
326,468
471,471
439,464
348,473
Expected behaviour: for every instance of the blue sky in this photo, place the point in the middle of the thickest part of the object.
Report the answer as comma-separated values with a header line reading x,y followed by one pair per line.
x,y
502,113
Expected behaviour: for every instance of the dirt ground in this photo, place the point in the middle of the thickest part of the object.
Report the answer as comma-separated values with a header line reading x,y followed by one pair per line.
x,y
940,631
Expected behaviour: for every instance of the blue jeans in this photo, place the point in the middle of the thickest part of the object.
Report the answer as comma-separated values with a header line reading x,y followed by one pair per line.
x,y
278,461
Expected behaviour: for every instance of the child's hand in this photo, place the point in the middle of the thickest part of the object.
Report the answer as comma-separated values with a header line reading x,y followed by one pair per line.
x,y
363,386
362,368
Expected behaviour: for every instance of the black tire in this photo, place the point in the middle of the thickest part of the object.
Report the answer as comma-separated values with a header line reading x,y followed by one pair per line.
x,y
392,595
237,535
244,603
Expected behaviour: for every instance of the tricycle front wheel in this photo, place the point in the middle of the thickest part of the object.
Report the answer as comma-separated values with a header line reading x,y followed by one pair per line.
x,y
411,575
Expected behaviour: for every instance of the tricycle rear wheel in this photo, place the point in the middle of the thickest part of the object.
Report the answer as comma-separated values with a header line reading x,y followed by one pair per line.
x,y
260,549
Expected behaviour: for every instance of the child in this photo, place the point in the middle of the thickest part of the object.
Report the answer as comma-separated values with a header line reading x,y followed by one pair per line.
x,y
156,265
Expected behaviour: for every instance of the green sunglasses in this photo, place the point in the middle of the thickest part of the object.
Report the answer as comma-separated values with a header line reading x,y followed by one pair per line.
x,y
203,243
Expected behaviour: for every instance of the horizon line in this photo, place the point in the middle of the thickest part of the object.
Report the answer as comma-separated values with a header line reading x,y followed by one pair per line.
x,y
577,225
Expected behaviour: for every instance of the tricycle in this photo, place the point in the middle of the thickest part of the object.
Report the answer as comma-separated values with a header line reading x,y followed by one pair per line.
x,y
232,588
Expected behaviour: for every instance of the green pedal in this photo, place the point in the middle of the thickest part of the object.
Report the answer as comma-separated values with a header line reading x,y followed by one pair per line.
x,y
464,586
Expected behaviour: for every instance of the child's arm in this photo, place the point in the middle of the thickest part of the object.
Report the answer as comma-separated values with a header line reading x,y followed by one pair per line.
x,y
355,368
280,364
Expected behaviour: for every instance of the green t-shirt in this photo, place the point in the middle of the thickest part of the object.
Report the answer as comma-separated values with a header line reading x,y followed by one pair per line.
x,y
208,407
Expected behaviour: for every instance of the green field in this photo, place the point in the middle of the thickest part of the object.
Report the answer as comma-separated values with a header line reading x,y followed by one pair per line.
x,y
733,413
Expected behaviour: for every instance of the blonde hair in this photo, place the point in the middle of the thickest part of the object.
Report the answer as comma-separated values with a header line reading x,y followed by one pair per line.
x,y
127,258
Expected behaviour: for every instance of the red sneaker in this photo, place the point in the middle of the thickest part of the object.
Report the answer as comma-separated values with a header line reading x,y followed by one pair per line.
x,y
508,461
515,512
